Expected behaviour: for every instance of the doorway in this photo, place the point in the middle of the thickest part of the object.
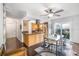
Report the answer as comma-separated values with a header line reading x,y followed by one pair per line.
x,y
63,29
12,27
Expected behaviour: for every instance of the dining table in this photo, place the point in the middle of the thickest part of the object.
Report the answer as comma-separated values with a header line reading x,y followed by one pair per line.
x,y
55,40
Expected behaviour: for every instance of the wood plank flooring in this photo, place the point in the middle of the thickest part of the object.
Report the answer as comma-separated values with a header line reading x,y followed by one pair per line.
x,y
75,47
71,49
12,44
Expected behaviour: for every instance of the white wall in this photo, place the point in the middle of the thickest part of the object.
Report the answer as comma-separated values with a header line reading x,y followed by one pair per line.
x,y
74,23
1,24
75,29
19,32
13,28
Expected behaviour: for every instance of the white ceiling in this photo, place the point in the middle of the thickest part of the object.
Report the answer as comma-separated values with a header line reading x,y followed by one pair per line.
x,y
34,10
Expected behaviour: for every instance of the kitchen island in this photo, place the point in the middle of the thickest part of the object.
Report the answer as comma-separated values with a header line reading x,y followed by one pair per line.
x,y
32,41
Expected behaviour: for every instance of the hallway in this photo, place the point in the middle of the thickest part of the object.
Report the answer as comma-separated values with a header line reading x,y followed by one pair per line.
x,y
12,44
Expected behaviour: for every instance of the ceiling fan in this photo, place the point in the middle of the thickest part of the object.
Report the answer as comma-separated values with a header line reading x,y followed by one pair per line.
x,y
50,12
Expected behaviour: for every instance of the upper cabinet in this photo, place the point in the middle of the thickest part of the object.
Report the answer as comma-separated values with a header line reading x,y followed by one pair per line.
x,y
37,27
31,26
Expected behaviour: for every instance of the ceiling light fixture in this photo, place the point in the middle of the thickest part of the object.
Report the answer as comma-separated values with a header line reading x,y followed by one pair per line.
x,y
50,15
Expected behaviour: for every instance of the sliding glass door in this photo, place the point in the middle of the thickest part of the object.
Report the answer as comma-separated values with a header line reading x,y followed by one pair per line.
x,y
63,30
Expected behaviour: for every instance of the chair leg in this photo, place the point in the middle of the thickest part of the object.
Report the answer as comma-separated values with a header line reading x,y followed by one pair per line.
x,y
51,48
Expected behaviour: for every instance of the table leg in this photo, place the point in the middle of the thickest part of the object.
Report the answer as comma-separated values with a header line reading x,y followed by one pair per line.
x,y
56,49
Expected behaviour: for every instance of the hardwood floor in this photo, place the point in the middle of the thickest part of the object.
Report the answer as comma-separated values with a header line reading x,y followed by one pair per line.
x,y
71,49
12,44
75,47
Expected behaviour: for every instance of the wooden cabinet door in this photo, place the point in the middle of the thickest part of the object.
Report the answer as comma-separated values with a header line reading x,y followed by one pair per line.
x,y
31,40
39,38
26,40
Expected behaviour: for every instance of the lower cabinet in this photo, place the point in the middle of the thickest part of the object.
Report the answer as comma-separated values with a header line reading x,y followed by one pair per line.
x,y
31,50
33,41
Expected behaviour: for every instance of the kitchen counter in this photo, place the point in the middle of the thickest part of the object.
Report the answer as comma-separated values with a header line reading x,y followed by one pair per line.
x,y
32,41
26,32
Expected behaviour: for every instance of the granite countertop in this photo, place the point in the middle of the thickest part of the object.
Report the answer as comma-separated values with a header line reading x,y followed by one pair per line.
x,y
25,32
32,33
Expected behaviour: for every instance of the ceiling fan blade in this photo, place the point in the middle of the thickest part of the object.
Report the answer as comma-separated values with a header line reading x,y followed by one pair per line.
x,y
46,11
56,15
49,10
44,15
59,11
